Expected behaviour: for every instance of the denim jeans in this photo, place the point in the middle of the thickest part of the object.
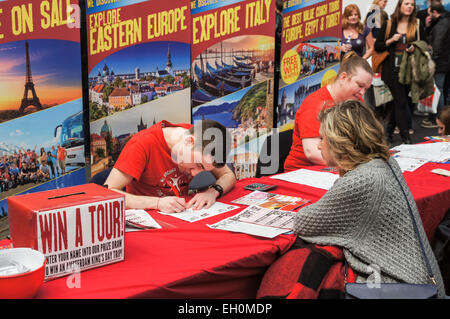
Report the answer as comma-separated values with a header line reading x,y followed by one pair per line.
x,y
439,79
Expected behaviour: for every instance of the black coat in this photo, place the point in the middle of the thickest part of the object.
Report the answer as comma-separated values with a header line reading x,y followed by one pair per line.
x,y
388,75
439,39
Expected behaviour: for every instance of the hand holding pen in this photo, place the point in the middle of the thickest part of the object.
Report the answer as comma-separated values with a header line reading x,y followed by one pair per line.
x,y
171,204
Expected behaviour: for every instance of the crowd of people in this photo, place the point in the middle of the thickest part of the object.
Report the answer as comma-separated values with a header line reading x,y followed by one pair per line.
x,y
30,166
405,33
312,60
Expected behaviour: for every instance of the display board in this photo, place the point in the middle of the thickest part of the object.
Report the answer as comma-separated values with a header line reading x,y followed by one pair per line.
x,y
232,63
309,53
41,108
139,71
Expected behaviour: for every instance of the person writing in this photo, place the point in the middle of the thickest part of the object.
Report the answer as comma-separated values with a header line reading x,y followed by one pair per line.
x,y
157,165
353,79
365,211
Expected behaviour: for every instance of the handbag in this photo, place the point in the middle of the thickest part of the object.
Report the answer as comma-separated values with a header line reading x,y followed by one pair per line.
x,y
395,290
430,103
382,94
379,57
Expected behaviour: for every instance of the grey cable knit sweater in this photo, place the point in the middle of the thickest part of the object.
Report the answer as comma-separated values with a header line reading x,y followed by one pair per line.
x,y
365,213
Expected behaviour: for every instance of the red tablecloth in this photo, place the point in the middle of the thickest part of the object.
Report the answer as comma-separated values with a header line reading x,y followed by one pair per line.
x,y
190,260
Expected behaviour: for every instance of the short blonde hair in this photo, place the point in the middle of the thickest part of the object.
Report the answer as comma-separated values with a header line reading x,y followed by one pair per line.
x,y
354,134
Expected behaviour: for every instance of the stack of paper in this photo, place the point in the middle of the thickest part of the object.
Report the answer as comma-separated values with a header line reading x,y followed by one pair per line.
x,y
436,152
139,219
409,164
271,200
191,215
258,221
317,179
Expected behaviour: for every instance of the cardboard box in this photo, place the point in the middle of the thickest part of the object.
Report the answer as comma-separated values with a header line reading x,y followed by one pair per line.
x,y
76,228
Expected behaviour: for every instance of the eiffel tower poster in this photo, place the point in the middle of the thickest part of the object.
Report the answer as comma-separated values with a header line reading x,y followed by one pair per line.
x,y
29,87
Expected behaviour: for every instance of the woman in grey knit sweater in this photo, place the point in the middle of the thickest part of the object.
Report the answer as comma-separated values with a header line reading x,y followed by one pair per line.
x,y
365,211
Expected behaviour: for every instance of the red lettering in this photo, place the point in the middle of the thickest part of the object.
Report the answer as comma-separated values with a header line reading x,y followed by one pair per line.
x,y
117,215
92,211
55,235
108,221
45,226
78,229
62,230
100,220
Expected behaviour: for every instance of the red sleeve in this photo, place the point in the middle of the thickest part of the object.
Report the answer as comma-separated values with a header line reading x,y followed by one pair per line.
x,y
308,123
133,158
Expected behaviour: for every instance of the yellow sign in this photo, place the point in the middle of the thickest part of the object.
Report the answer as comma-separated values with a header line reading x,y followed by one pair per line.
x,y
328,77
290,66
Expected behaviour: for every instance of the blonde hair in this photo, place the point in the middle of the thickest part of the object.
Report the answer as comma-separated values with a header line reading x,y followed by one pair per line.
x,y
347,12
354,135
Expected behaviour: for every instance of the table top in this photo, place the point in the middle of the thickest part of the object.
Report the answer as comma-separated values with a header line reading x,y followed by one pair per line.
x,y
191,260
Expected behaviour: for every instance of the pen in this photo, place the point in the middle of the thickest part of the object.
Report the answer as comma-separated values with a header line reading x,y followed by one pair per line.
x,y
174,190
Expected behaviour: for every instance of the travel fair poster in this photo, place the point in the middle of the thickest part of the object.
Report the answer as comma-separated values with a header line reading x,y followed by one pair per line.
x,y
41,108
309,53
232,63
139,71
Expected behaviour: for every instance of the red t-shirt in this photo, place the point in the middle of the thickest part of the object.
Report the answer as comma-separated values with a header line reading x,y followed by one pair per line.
x,y
306,125
147,158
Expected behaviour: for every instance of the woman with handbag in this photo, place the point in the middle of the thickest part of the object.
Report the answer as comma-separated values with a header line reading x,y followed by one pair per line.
x,y
355,36
404,29
369,211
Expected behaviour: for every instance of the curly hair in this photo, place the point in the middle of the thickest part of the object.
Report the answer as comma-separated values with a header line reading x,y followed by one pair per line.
x,y
354,135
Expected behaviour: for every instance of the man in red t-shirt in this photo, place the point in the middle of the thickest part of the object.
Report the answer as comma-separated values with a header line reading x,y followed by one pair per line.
x,y
157,164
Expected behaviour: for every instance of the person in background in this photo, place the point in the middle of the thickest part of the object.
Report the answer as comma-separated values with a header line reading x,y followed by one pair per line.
x,y
44,172
425,18
365,211
55,159
376,17
62,154
355,36
443,121
51,164
403,32
42,156
353,79
439,39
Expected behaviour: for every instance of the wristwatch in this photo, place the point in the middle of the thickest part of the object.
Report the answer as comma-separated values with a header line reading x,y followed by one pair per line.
x,y
218,188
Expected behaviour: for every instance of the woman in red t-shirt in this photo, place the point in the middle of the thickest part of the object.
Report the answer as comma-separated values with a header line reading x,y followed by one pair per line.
x,y
353,79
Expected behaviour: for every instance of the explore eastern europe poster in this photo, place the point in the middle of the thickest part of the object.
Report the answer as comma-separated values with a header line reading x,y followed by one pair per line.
x,y
139,71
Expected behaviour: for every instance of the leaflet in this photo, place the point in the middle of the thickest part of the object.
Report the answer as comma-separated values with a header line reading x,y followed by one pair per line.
x,y
258,221
139,219
191,215
316,179
436,152
272,201
247,228
409,164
